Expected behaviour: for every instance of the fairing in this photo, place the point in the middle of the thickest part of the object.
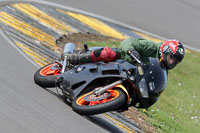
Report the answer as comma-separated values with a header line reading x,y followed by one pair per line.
x,y
156,76
81,76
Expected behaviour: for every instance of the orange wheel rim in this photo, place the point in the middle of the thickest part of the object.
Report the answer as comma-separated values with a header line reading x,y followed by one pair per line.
x,y
51,70
109,95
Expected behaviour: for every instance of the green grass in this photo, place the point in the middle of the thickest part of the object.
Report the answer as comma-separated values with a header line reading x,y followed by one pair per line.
x,y
178,109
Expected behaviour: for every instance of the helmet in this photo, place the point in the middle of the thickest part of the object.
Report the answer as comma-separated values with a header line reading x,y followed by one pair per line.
x,y
174,49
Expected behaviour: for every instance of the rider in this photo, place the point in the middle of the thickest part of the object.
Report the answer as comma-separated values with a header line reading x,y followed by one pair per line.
x,y
170,52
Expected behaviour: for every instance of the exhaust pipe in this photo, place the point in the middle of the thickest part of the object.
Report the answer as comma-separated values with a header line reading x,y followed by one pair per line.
x,y
68,49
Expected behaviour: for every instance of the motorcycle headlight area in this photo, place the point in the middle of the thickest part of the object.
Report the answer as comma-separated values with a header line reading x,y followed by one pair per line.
x,y
143,88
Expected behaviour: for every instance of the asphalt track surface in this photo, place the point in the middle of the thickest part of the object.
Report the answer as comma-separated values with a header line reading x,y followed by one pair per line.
x,y
173,19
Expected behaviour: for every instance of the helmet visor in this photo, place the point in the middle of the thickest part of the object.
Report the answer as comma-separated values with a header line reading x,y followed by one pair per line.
x,y
171,61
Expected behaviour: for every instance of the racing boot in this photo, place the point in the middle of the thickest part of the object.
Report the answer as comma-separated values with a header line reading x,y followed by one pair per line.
x,y
82,58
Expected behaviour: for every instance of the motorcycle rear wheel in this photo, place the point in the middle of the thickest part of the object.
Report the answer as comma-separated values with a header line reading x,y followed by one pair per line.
x,y
47,75
109,101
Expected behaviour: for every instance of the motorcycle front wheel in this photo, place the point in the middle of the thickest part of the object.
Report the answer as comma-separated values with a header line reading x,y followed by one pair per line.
x,y
90,104
47,75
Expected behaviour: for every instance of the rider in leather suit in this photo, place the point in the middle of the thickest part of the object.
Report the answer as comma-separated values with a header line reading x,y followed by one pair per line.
x,y
170,52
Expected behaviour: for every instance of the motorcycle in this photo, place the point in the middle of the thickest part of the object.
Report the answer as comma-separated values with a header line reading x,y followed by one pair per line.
x,y
99,87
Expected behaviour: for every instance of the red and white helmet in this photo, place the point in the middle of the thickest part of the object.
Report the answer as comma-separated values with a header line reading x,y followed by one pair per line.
x,y
176,51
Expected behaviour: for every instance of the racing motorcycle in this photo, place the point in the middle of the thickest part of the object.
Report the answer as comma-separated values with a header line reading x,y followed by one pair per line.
x,y
99,87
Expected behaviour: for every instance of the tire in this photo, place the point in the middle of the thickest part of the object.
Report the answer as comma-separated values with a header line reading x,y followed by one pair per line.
x,y
116,99
47,75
